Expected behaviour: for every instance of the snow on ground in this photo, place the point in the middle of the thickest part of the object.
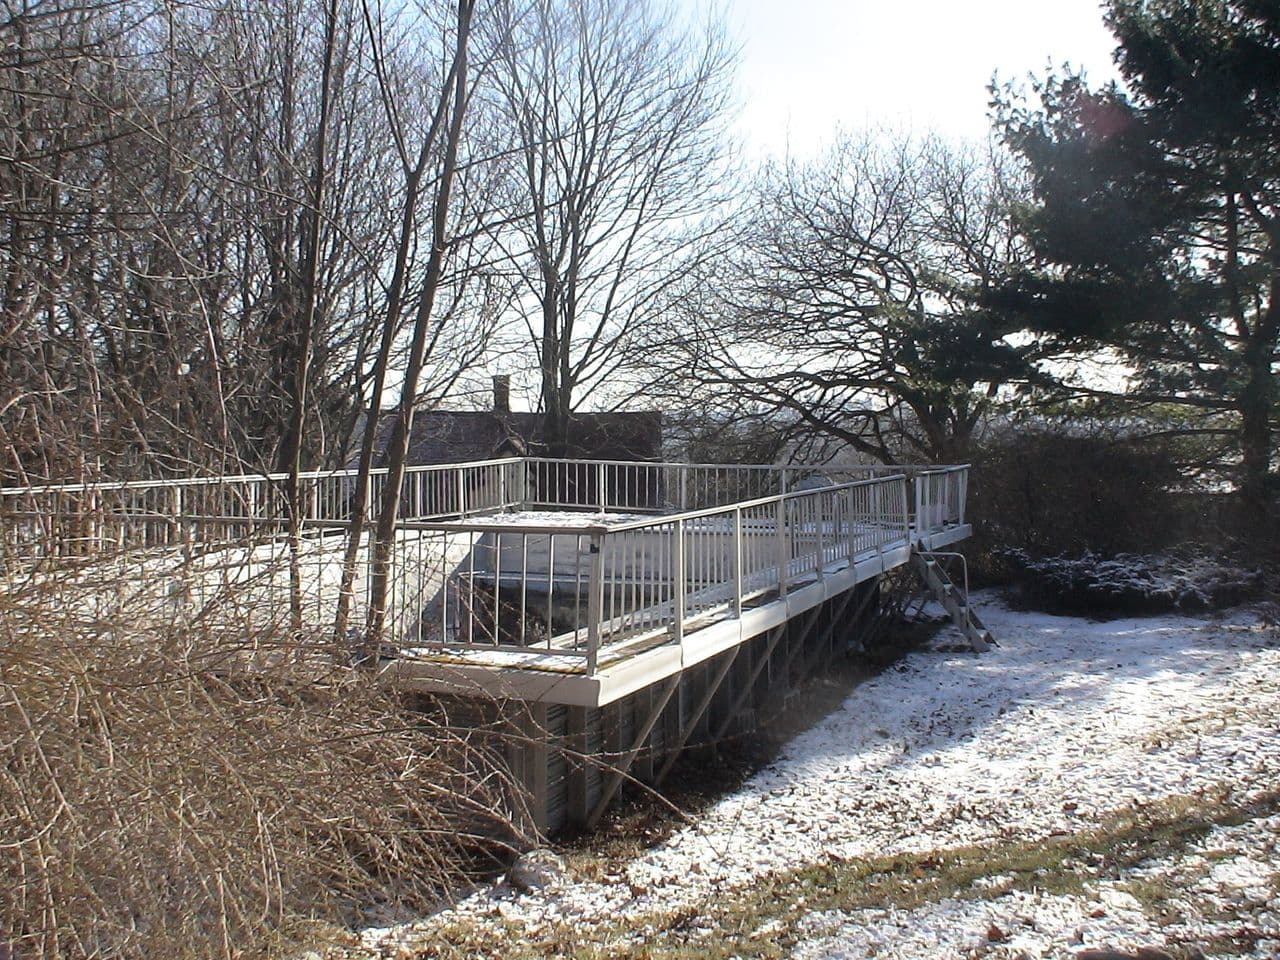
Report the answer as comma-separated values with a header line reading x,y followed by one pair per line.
x,y
1226,887
1066,720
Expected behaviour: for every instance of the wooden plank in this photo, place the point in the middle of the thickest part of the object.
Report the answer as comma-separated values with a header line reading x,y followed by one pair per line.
x,y
578,800
538,754
557,768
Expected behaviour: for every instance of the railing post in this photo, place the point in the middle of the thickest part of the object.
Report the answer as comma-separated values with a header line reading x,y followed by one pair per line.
x,y
684,487
462,492
595,601
737,562
921,482
820,501
850,523
600,491
906,506
783,547
679,581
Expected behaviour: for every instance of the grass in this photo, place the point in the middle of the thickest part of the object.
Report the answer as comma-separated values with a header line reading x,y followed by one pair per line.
x,y
758,920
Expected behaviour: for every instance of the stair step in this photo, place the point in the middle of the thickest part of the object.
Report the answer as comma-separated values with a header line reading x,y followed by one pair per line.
x,y
954,602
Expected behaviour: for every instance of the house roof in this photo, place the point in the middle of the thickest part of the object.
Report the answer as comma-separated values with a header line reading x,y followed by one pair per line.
x,y
459,436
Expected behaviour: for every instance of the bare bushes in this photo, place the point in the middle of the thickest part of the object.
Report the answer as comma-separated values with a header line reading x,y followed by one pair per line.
x,y
1132,584
159,800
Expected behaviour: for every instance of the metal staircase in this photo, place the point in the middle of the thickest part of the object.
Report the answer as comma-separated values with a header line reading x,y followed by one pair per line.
x,y
954,600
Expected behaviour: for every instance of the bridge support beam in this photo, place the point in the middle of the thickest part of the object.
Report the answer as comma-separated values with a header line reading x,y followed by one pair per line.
x,y
620,771
695,715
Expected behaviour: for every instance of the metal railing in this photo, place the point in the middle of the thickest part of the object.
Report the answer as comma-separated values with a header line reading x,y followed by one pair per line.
x,y
581,592
940,495
636,554
626,485
79,519
71,520
667,574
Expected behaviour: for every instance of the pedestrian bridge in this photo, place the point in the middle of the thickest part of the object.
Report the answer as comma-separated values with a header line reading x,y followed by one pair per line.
x,y
568,581
629,608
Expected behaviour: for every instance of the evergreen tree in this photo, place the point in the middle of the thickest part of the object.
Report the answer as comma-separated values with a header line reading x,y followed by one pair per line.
x,y
1156,213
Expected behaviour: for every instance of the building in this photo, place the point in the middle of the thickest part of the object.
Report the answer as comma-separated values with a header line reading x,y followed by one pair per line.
x,y
468,436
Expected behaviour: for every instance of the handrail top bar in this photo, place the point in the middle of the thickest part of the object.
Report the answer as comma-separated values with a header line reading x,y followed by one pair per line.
x,y
511,526
344,472
877,467
597,528
336,472
747,504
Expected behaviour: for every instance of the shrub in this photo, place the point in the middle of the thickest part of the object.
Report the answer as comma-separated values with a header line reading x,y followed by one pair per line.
x,y
160,798
1131,583
1050,492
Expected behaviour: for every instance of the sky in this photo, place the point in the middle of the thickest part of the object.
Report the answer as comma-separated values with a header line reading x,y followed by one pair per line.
x,y
809,66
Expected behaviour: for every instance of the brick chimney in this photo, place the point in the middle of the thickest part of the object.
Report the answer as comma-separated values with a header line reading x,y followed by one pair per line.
x,y
502,393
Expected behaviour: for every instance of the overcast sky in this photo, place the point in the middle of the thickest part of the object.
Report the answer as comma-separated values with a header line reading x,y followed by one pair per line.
x,y
809,66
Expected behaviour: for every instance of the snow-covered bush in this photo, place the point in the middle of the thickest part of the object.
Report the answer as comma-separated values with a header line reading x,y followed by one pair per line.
x,y
1128,583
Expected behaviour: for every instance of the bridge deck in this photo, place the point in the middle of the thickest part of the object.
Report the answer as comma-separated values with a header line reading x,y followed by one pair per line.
x,y
557,675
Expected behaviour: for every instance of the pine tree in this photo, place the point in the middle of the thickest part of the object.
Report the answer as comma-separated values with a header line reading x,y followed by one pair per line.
x,y
1156,213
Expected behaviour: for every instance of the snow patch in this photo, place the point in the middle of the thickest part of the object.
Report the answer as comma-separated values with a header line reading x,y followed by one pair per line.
x,y
1065,721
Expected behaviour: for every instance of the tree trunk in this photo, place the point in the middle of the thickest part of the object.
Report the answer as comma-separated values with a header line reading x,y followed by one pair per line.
x,y
398,448
1257,406
305,334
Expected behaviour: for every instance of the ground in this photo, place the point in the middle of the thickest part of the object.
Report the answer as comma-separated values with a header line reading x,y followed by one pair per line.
x,y
1085,785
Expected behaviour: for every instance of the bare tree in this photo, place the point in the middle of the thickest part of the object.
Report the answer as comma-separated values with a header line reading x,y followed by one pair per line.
x,y
156,203
617,121
855,315
428,298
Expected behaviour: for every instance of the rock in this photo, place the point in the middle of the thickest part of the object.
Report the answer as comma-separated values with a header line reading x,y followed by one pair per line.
x,y
536,869
996,935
